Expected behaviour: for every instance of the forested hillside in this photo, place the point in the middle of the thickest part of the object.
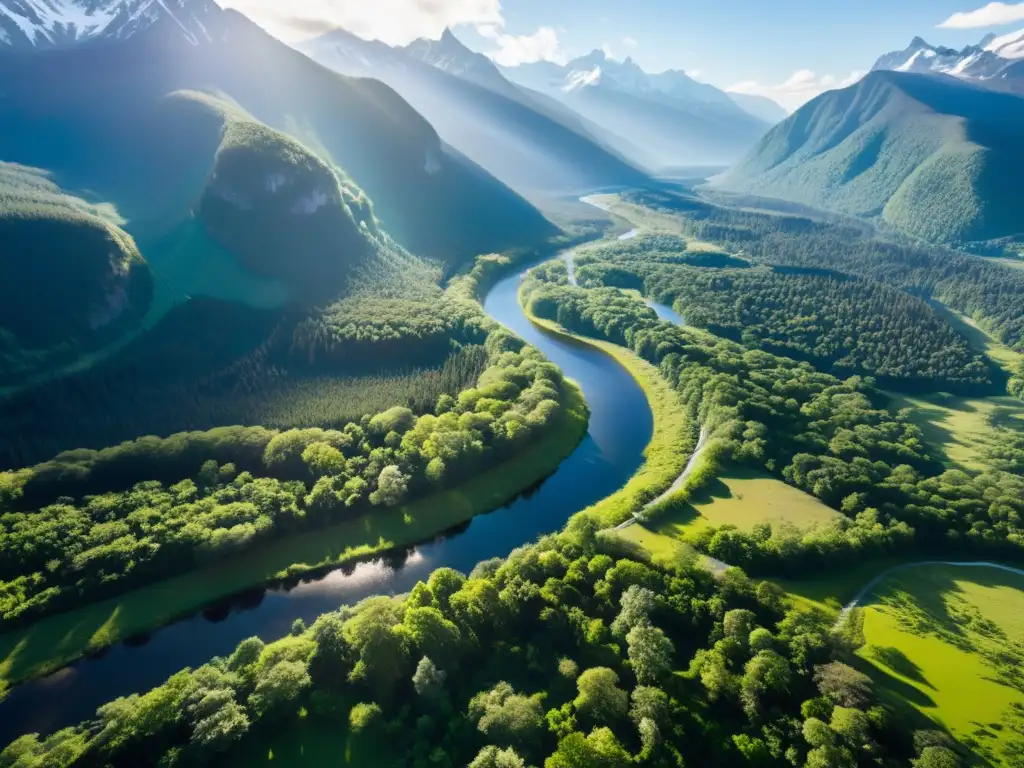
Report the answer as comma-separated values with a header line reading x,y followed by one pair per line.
x,y
151,158
73,277
516,135
931,156
989,293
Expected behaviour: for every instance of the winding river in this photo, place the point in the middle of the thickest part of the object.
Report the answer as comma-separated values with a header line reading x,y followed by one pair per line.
x,y
620,428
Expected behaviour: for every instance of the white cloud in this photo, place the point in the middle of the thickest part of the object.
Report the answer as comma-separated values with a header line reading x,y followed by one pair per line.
x,y
991,15
396,22
513,50
629,42
694,73
802,86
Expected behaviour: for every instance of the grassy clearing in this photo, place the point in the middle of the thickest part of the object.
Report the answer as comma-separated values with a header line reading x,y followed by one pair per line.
x,y
1003,261
981,340
671,444
58,640
962,428
647,220
830,591
950,641
742,498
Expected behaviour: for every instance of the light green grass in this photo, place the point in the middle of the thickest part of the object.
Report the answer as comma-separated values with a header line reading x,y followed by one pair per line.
x,y
932,637
1003,261
962,428
58,640
742,498
647,220
831,590
981,339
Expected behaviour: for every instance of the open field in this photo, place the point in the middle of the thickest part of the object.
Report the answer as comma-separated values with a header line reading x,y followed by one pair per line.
x,y
961,427
60,639
1012,263
742,498
950,641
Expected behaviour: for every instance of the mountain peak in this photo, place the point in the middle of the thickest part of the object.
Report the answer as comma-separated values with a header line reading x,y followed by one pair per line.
x,y
64,23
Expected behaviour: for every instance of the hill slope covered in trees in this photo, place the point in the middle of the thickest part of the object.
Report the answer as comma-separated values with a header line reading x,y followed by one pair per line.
x,y
104,282
932,156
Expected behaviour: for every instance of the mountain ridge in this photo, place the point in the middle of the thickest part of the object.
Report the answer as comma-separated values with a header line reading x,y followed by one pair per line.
x,y
931,155
391,151
676,119
985,62
41,24
529,144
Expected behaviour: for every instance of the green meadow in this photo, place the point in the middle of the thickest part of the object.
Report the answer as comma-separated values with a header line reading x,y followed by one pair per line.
x,y
740,497
962,428
950,641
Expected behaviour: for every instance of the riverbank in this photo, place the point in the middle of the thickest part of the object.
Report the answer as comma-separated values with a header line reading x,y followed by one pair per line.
x,y
58,640
671,445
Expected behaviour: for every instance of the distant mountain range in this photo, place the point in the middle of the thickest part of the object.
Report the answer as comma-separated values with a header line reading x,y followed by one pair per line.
x,y
675,119
996,62
525,139
934,156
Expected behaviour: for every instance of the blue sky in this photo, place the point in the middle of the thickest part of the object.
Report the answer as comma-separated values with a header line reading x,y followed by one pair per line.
x,y
787,49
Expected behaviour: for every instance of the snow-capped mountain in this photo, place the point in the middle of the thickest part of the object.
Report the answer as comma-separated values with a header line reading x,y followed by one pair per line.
x,y
514,134
677,120
597,69
28,24
983,62
450,55
1009,46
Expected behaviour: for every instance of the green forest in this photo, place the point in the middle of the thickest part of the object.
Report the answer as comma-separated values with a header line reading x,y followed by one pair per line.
x,y
841,324
195,497
987,292
105,284
253,367
576,652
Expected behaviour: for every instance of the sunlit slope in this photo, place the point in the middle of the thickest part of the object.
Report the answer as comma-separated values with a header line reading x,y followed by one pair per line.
x,y
522,140
934,157
106,129
71,274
